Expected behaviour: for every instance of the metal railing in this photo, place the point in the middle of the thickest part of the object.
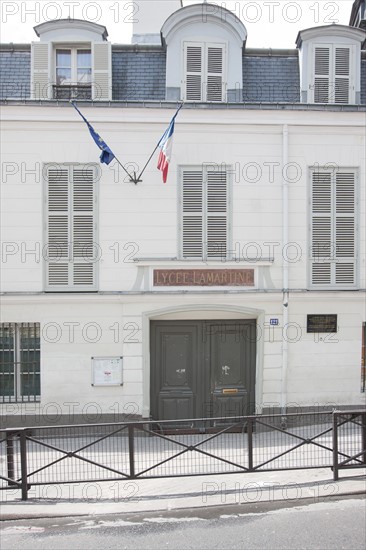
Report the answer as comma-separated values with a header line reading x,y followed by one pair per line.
x,y
349,440
142,450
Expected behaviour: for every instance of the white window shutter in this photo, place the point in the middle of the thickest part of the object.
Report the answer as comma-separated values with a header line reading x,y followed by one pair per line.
x,y
41,85
193,55
83,239
322,69
71,231
333,228
345,228
192,219
342,74
58,234
216,214
102,71
321,242
215,73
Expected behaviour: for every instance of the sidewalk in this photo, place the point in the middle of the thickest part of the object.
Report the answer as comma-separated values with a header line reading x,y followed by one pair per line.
x,y
147,495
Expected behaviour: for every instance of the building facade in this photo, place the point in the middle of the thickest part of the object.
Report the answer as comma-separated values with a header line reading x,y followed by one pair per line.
x,y
235,288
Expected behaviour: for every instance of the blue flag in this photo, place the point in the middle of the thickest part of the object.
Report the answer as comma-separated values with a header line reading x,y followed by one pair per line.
x,y
107,156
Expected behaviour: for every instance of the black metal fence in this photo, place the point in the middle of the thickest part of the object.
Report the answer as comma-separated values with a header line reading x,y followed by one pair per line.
x,y
141,450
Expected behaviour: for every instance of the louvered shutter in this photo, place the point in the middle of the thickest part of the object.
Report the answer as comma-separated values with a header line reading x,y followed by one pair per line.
x,y
58,235
321,74
194,77
345,228
333,229
41,86
192,222
216,226
71,258
102,72
214,78
83,227
342,75
321,242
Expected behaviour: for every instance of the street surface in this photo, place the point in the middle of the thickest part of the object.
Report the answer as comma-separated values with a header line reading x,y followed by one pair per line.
x,y
329,524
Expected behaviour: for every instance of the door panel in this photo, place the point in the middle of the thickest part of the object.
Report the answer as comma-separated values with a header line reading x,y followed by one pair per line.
x,y
174,364
202,368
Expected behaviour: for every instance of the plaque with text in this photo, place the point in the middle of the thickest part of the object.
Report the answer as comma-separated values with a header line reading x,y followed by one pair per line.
x,y
322,323
203,277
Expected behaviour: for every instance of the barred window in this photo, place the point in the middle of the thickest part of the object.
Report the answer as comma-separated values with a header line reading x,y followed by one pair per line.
x,y
19,362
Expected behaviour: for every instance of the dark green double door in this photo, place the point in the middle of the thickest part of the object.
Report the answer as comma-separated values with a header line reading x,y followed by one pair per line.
x,y
202,369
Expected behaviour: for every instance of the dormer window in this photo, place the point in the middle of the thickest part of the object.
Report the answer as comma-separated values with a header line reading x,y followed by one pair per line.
x,y
73,74
330,64
72,60
204,55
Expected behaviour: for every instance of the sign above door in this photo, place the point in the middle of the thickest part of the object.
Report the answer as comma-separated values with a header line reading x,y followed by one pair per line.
x,y
203,277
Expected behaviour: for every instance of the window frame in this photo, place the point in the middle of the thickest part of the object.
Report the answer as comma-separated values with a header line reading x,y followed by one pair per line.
x,y
77,89
229,213
18,362
74,50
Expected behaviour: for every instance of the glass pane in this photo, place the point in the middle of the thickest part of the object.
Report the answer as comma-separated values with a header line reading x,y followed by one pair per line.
x,y
63,76
6,385
63,58
84,76
30,385
84,59
30,357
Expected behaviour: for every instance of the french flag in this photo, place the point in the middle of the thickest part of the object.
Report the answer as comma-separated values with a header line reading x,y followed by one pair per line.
x,y
166,145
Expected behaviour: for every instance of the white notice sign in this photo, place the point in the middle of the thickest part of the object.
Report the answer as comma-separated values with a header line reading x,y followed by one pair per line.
x,y
107,371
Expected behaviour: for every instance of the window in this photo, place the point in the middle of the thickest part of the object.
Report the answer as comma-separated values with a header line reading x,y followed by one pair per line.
x,y
332,83
72,252
333,228
73,74
204,213
19,362
204,72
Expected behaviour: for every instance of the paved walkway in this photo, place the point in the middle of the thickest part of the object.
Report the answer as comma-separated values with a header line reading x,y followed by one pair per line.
x,y
109,497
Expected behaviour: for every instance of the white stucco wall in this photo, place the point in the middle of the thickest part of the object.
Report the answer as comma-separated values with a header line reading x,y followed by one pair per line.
x,y
141,221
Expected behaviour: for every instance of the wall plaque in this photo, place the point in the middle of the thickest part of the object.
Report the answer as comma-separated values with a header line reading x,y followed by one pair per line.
x,y
203,277
322,323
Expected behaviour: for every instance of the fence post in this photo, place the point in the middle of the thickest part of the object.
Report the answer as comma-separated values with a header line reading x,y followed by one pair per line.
x,y
250,443
335,446
23,464
10,457
131,450
363,437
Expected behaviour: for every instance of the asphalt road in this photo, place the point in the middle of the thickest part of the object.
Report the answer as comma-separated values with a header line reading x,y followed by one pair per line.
x,y
329,524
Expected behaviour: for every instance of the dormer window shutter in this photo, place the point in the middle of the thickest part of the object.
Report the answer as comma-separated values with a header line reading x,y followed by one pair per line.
x,y
342,75
41,87
194,74
322,68
204,72
102,71
332,74
71,228
215,67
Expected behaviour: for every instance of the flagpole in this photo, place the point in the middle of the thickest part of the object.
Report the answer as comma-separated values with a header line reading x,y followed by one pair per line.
x,y
95,135
152,154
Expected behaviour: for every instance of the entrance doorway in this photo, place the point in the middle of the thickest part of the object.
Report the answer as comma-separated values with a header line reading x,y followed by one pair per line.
x,y
202,369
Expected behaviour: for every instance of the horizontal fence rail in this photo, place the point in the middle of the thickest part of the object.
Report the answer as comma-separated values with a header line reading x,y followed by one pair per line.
x,y
206,446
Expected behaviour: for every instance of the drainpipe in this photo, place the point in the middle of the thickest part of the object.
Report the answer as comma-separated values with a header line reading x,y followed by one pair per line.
x,y
285,271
